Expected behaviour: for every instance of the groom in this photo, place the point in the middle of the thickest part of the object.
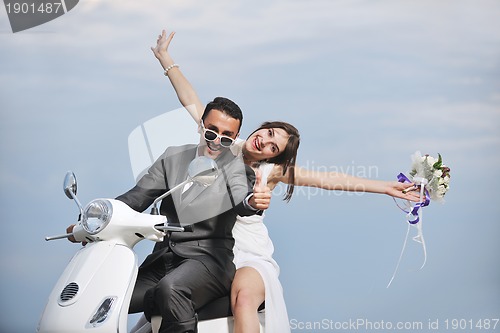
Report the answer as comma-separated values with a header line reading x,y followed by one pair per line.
x,y
190,269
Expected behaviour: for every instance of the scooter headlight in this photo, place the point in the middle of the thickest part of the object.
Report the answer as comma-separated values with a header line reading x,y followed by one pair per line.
x,y
96,216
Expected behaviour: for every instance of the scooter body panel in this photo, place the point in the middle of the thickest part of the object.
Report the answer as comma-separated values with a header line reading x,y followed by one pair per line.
x,y
99,272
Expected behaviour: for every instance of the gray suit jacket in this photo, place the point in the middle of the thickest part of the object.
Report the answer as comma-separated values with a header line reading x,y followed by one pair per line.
x,y
211,211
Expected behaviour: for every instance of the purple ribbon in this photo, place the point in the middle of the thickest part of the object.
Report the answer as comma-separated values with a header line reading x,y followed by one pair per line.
x,y
413,219
414,211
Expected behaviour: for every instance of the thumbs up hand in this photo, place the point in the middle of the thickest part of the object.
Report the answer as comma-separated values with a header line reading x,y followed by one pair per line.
x,y
261,197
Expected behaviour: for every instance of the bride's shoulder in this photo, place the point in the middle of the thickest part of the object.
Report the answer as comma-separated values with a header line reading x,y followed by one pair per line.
x,y
276,173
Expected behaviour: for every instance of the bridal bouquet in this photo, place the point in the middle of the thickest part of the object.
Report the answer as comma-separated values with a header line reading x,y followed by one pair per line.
x,y
431,173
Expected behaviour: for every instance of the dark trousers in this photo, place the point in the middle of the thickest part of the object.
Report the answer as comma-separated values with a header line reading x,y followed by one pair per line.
x,y
175,288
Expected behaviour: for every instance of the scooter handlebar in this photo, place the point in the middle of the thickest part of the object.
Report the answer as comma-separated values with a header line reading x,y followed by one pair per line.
x,y
49,238
78,233
169,228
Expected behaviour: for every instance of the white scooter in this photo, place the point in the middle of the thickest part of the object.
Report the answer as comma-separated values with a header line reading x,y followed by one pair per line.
x,y
94,291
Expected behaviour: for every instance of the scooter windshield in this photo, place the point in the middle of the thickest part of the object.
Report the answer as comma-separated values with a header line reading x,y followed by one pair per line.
x,y
192,201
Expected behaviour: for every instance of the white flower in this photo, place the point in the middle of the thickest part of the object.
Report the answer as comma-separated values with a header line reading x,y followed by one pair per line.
x,y
423,172
441,190
444,180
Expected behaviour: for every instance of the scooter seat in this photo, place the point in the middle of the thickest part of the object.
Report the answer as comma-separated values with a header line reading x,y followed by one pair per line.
x,y
219,308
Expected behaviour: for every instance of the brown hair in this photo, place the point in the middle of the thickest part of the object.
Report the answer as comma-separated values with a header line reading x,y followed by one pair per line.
x,y
288,157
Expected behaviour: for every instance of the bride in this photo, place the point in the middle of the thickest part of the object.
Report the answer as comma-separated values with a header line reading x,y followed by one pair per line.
x,y
271,151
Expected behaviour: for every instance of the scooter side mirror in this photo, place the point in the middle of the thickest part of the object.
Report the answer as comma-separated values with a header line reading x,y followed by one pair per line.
x,y
70,186
203,170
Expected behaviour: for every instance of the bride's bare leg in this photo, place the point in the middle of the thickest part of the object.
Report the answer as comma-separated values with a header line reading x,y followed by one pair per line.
x,y
247,294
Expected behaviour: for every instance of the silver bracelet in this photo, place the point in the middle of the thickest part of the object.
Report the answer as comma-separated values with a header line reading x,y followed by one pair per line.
x,y
169,68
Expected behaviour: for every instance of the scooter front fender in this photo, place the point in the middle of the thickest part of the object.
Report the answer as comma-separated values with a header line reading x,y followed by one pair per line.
x,y
99,278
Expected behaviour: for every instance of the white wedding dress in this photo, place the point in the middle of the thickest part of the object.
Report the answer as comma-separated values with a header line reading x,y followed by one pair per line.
x,y
253,248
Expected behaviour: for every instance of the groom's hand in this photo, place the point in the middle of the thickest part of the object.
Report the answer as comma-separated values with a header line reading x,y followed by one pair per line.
x,y
261,197
69,230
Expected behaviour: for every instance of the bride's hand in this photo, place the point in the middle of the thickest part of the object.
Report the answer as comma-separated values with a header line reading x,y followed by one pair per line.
x,y
162,44
406,191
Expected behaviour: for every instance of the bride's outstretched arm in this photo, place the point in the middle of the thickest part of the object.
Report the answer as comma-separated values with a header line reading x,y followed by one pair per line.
x,y
344,182
184,90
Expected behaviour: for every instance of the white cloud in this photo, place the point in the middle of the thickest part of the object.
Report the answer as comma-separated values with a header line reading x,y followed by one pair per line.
x,y
435,115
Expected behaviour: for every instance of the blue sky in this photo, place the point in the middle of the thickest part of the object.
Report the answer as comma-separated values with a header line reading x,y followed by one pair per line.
x,y
366,82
